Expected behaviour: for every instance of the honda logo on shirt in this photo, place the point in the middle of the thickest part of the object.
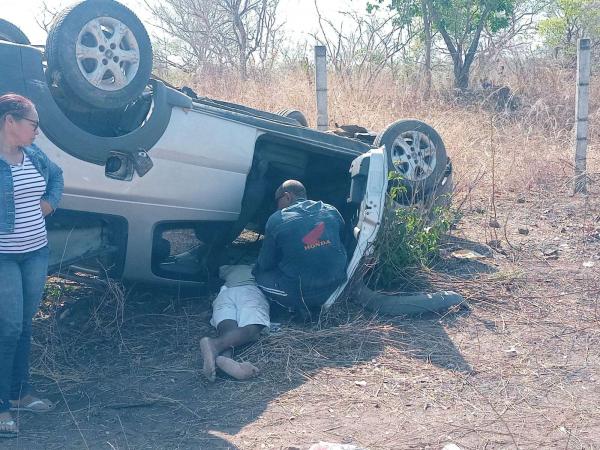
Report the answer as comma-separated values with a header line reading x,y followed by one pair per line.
x,y
313,238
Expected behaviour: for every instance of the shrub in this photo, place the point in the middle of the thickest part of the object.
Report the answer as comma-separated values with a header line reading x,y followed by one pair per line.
x,y
409,238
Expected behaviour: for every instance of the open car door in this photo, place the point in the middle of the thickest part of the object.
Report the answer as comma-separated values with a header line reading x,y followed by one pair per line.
x,y
369,181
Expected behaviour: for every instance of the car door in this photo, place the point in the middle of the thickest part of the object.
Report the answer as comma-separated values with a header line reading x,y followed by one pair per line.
x,y
369,182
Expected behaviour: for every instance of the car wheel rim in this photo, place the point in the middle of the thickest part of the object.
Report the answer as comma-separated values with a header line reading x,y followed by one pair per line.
x,y
107,54
414,155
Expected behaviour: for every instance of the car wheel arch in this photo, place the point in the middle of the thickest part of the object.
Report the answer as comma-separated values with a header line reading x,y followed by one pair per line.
x,y
95,149
12,33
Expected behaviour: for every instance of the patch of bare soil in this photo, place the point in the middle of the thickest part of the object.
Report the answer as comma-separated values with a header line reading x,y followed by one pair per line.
x,y
517,366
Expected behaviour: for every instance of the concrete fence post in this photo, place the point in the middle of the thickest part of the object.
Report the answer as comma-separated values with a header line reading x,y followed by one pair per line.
x,y
321,86
581,112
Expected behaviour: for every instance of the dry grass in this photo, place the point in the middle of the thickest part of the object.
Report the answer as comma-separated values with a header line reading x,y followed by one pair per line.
x,y
533,145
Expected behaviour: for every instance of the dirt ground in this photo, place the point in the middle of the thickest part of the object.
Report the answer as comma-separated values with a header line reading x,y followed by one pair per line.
x,y
517,366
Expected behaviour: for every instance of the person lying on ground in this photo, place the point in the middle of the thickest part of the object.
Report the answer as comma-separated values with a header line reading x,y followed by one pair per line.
x,y
302,260
240,313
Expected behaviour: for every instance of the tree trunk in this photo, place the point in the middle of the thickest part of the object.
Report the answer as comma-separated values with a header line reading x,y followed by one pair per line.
x,y
242,41
461,70
243,65
461,76
427,66
462,63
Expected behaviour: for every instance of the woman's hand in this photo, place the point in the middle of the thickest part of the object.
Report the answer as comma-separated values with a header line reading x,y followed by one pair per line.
x,y
46,208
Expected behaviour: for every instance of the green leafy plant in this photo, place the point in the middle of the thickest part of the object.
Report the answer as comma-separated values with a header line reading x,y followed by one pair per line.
x,y
409,238
566,22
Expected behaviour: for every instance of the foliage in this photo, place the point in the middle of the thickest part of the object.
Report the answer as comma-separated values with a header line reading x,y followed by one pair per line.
x,y
569,20
459,22
409,237
461,17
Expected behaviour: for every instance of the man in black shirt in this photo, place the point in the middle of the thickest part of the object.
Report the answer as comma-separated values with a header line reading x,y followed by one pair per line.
x,y
302,259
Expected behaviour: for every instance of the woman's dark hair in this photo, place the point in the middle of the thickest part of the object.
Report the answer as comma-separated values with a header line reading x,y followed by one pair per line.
x,y
15,105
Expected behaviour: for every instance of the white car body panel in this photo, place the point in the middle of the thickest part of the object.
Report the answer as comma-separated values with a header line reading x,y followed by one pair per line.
x,y
203,180
221,157
370,216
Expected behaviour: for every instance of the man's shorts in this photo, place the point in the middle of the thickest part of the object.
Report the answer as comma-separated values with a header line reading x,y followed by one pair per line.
x,y
247,305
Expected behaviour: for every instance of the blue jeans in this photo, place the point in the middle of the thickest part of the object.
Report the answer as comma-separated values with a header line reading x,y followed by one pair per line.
x,y
22,280
289,293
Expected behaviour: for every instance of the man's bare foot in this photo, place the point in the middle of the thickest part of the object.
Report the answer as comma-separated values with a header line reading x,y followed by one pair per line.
x,y
209,355
31,403
8,426
239,371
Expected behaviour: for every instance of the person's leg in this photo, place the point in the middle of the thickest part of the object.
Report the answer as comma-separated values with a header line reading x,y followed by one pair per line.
x,y
11,321
226,326
277,289
237,336
312,301
34,269
288,295
225,361
224,317
252,316
230,336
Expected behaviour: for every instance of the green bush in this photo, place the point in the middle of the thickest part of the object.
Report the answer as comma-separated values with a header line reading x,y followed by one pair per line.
x,y
409,238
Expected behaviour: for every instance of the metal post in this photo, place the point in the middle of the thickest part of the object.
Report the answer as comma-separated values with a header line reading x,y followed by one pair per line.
x,y
321,84
581,111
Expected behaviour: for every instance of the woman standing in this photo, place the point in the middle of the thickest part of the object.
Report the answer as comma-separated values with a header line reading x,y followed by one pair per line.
x,y
30,188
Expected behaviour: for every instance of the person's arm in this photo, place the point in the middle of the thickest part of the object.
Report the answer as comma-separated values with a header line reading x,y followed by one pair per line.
x,y
54,187
342,225
267,257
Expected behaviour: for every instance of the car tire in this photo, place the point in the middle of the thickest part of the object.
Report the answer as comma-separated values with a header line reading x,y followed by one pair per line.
x,y
12,33
405,305
420,167
99,51
298,116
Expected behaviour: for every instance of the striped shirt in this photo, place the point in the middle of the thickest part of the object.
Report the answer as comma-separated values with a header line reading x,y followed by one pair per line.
x,y
29,233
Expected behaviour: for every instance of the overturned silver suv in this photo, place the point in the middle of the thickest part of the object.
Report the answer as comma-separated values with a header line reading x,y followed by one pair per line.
x,y
158,184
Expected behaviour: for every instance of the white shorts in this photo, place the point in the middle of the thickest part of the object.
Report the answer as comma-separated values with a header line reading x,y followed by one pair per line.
x,y
247,305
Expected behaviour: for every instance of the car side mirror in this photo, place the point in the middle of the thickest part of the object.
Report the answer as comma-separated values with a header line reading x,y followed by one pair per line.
x,y
142,162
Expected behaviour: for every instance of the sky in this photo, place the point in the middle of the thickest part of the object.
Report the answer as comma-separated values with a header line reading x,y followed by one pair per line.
x,y
300,16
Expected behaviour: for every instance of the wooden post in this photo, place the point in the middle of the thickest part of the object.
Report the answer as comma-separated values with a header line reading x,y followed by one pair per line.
x,y
321,85
581,111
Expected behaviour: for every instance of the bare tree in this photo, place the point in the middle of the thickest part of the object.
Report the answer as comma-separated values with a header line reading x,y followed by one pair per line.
x,y
189,34
428,38
201,33
372,44
523,24
254,28
46,16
